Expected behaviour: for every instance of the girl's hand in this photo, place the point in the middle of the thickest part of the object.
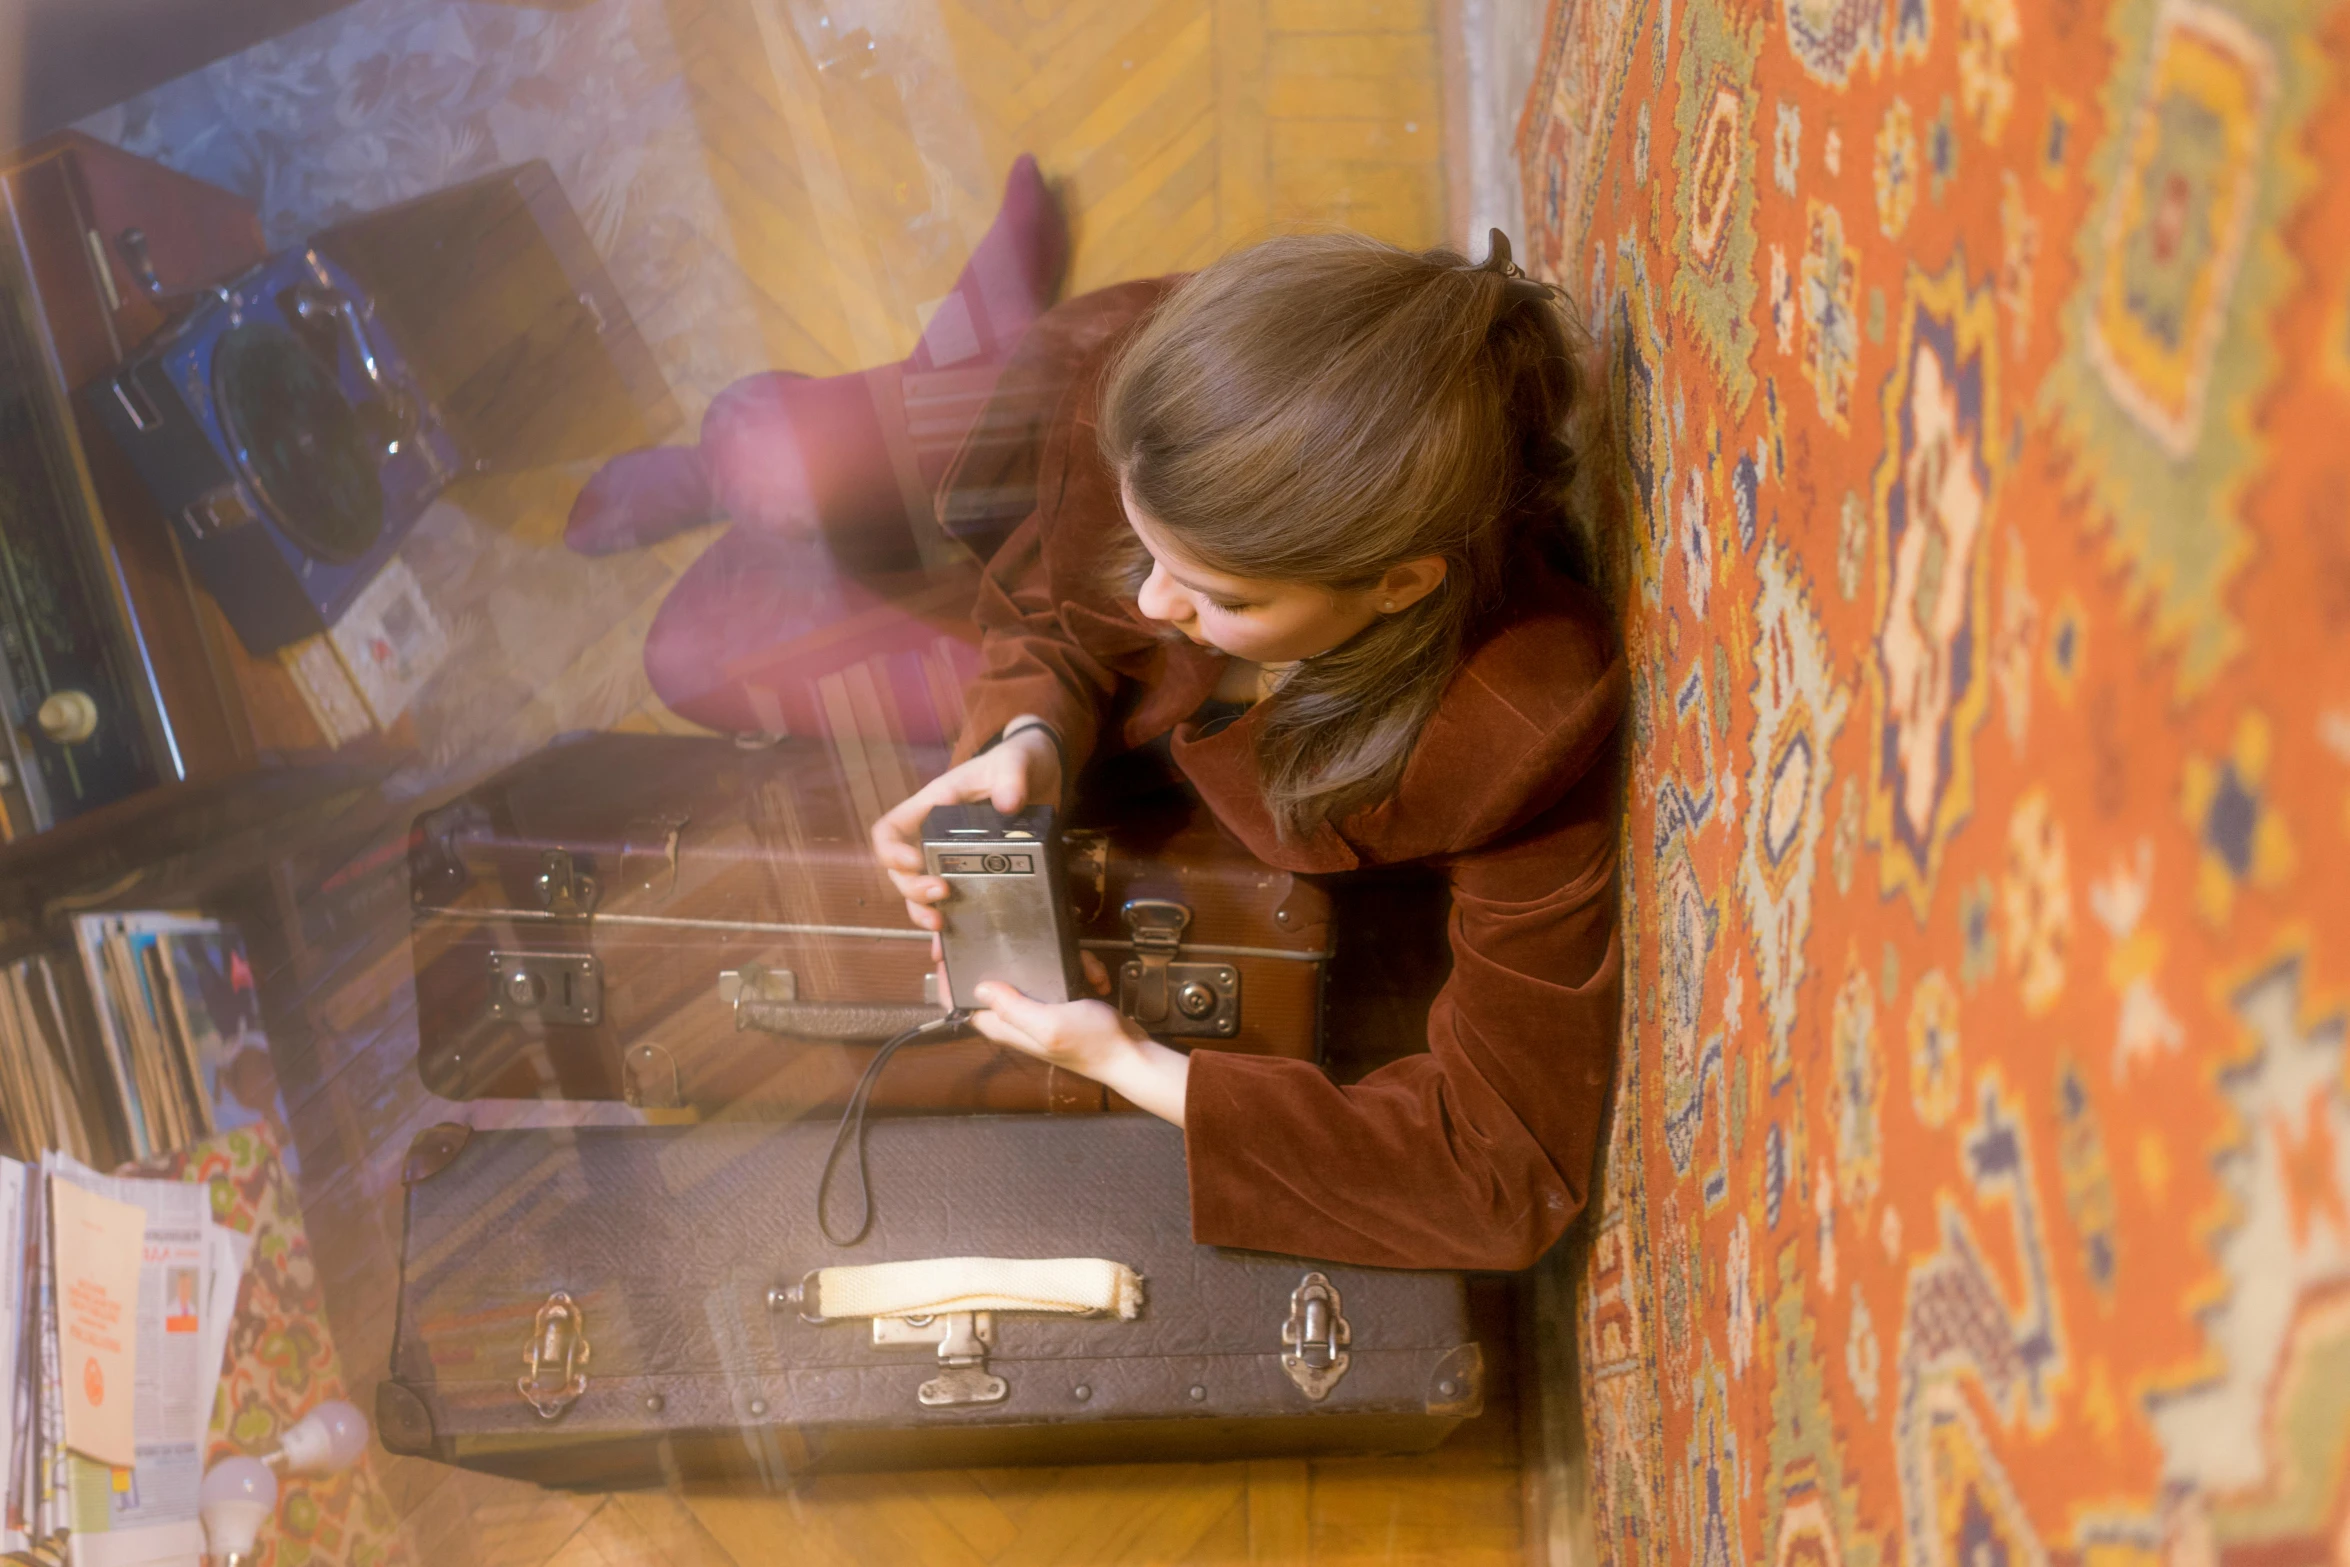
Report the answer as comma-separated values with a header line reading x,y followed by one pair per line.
x,y
1008,776
1086,1037
1092,1039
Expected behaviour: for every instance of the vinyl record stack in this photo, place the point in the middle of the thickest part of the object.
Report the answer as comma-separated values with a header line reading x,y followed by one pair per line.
x,y
143,1038
48,1076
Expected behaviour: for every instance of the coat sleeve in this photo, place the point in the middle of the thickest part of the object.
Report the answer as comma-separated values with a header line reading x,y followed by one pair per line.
x,y
1028,662
1477,1154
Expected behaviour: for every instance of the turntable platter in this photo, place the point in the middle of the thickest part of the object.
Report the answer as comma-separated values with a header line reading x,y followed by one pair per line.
x,y
298,442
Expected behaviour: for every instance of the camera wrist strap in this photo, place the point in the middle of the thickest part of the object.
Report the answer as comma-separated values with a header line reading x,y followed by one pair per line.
x,y
852,1124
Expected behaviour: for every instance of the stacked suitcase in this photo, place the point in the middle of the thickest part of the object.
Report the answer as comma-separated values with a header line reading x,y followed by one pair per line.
x,y
694,926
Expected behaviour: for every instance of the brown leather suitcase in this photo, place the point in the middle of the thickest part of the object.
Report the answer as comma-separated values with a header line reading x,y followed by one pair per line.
x,y
609,1307
683,922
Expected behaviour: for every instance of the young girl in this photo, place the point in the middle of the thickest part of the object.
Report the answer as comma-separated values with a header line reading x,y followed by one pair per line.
x,y
1306,520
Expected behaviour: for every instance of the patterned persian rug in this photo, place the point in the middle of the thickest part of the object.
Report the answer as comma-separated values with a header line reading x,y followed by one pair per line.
x,y
1979,1185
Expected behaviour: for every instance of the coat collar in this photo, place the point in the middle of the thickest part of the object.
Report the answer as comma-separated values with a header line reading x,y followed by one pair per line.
x,y
1531,710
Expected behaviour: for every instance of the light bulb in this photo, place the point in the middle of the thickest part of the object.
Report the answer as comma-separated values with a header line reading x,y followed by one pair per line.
x,y
328,1440
237,1498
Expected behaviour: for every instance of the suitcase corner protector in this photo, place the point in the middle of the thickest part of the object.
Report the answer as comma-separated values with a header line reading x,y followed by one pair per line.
x,y
433,1150
1456,1387
403,1423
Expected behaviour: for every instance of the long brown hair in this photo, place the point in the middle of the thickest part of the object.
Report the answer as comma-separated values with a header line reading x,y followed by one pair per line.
x,y
1320,408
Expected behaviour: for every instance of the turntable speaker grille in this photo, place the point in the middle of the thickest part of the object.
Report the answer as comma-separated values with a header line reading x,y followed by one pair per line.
x,y
499,302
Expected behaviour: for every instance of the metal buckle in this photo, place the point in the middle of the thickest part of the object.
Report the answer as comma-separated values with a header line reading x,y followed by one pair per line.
x,y
559,1334
565,890
1178,1000
1156,926
963,1339
1317,1336
756,982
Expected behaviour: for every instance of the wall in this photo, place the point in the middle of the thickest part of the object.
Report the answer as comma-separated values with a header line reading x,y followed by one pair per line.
x,y
1978,1188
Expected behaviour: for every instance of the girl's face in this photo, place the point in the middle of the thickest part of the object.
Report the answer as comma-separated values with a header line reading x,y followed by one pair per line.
x,y
1259,619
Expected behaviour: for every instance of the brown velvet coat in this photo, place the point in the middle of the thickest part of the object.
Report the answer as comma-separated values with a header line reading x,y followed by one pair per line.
x,y
1478,1153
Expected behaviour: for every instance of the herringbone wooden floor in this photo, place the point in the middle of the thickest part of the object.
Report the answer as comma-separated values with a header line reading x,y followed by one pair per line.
x,y
854,167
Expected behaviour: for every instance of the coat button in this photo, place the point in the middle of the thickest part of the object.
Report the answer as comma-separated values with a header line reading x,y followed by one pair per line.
x,y
654,1403
1199,1395
1081,1392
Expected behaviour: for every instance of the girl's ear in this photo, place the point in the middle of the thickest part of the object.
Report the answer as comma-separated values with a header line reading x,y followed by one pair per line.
x,y
1407,584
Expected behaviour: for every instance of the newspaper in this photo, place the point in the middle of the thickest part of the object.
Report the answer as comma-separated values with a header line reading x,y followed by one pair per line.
x,y
15,1333
147,1513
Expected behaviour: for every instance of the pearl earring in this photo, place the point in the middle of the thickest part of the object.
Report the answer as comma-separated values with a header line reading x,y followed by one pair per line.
x,y
1387,604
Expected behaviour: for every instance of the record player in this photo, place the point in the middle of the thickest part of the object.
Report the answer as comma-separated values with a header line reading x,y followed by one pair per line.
x,y
281,430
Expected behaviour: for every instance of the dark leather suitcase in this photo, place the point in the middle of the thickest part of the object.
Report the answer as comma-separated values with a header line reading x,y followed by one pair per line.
x,y
609,1307
678,921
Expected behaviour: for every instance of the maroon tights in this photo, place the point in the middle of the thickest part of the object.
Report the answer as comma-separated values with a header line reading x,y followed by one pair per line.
x,y
823,480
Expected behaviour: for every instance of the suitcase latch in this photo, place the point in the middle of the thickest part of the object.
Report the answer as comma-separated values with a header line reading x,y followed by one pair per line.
x,y
1316,1336
565,891
558,1348
1180,1000
553,987
963,1339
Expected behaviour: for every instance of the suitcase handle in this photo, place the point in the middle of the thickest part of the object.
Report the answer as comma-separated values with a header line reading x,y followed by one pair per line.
x,y
847,1022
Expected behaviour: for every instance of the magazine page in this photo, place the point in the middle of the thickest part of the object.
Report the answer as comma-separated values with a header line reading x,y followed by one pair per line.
x,y
231,1253
13,1186
50,1469
101,1244
218,1007
148,1512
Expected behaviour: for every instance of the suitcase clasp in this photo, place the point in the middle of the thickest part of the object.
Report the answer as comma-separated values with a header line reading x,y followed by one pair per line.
x,y
963,1339
565,890
1317,1336
1175,999
557,1338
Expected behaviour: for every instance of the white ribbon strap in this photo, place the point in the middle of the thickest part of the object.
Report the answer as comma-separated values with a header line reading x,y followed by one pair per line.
x,y
1069,1286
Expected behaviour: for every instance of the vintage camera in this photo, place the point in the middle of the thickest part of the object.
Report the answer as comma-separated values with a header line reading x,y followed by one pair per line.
x,y
1007,913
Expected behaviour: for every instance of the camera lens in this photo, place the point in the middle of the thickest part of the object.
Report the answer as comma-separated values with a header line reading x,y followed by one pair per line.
x,y
995,864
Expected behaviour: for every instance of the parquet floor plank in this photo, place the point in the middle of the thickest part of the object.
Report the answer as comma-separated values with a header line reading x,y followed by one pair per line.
x,y
671,1535
1280,1510
1352,16
1132,160
1244,207
1110,93
1302,142
850,1520
1186,238
1126,225
1290,95
1385,57
1138,1513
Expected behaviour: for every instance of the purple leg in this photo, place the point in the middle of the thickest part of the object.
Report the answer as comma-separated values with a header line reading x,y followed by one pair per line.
x,y
640,498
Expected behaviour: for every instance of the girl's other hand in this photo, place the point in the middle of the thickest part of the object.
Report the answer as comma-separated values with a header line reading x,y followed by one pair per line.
x,y
1086,1037
1009,775
1092,1039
